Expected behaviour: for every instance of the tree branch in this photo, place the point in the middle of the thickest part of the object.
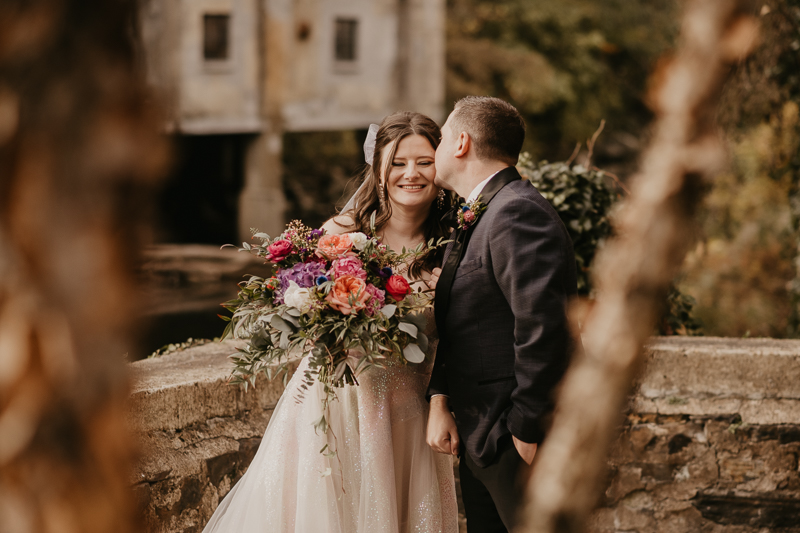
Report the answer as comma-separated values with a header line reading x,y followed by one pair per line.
x,y
634,271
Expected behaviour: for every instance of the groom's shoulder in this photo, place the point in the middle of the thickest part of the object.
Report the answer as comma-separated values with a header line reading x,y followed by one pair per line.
x,y
526,195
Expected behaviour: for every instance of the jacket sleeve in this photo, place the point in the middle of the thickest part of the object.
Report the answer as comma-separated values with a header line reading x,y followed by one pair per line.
x,y
530,256
438,382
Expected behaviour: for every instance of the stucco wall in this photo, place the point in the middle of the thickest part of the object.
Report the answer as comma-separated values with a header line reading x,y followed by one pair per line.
x,y
710,442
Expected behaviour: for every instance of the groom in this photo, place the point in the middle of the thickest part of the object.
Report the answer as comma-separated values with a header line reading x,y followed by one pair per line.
x,y
501,301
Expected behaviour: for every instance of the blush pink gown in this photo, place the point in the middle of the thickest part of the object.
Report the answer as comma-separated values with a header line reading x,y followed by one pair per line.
x,y
384,479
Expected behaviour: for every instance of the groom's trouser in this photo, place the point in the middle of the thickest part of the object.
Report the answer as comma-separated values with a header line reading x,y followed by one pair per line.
x,y
492,495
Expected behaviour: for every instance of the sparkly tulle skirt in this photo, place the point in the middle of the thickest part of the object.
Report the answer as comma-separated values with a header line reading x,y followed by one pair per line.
x,y
383,479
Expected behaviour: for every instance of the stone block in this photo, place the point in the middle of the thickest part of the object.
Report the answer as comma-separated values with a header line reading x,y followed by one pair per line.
x,y
248,449
750,369
602,521
627,519
682,521
222,466
626,479
767,510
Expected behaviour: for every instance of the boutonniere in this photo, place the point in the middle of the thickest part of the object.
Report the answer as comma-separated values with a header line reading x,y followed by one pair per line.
x,y
469,212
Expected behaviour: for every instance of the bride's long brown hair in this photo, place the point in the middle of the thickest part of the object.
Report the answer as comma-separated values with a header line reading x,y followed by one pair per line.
x,y
367,200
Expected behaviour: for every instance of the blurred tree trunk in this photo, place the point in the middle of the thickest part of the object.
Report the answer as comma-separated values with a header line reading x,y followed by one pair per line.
x,y
634,271
79,153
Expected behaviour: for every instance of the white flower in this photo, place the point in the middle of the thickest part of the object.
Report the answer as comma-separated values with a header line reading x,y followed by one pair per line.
x,y
298,298
359,240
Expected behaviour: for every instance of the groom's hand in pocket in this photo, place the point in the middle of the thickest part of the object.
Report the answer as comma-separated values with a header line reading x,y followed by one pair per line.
x,y
526,450
442,434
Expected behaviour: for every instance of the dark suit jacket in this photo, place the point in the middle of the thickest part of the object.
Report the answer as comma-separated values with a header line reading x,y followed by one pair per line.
x,y
504,339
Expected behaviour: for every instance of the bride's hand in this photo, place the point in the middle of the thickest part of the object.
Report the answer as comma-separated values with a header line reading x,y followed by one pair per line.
x,y
442,435
435,273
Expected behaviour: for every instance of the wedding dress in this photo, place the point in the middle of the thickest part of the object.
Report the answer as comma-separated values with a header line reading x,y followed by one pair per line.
x,y
384,478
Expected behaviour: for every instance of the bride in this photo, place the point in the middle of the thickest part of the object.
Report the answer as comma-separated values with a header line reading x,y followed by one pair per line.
x,y
383,477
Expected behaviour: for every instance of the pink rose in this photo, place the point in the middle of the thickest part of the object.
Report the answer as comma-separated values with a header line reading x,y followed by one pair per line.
x,y
398,287
332,246
345,289
375,303
349,266
469,216
279,250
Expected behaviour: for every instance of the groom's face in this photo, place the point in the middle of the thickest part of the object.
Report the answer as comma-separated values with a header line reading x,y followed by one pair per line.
x,y
444,157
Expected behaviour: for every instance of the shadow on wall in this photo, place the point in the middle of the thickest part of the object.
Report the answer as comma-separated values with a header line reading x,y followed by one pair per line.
x,y
199,203
319,172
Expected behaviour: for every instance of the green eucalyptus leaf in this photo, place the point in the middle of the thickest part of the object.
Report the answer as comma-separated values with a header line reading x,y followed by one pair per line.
x,y
418,319
279,323
411,329
413,354
291,320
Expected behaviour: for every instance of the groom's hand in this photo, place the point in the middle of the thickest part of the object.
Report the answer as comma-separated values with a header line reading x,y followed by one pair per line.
x,y
435,273
442,434
526,450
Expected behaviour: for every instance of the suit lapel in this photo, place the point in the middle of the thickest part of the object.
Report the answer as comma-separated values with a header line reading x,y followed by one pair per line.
x,y
455,250
503,178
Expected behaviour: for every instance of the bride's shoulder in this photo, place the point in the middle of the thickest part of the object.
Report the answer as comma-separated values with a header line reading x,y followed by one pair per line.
x,y
339,224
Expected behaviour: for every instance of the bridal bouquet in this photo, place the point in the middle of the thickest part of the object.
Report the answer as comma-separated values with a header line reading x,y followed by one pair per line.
x,y
338,297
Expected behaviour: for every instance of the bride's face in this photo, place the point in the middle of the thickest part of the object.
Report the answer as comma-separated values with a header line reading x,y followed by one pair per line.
x,y
411,173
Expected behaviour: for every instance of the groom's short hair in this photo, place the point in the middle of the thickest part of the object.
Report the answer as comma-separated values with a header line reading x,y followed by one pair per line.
x,y
495,127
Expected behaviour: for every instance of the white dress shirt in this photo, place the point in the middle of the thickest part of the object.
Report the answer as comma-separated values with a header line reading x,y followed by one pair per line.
x,y
479,188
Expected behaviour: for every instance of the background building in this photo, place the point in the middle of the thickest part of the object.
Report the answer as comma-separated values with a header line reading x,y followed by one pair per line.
x,y
235,75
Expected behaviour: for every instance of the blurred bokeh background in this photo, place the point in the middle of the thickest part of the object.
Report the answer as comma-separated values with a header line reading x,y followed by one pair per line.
x,y
268,105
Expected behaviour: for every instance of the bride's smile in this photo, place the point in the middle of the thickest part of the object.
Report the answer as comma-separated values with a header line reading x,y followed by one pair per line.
x,y
411,173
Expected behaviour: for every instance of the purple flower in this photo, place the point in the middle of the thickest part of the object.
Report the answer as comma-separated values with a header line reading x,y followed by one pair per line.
x,y
375,303
304,274
315,234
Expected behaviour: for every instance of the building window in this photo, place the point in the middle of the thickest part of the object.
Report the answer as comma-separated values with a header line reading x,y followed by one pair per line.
x,y
346,32
215,36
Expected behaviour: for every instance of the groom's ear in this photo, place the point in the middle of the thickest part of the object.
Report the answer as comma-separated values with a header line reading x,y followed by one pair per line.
x,y
463,144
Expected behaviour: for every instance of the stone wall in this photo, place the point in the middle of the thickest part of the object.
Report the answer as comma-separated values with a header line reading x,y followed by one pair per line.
x,y
198,433
710,441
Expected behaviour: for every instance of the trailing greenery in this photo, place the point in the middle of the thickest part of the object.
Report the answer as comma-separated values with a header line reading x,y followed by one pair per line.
x,y
584,199
180,346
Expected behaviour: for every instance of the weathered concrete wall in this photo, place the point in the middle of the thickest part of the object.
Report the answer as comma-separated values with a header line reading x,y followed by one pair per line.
x,y
398,64
281,72
204,95
710,442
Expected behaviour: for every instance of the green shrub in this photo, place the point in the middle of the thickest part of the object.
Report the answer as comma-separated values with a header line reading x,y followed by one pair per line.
x,y
584,198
